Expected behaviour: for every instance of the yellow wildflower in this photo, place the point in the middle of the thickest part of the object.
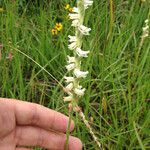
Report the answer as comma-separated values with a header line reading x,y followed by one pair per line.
x,y
70,9
1,10
67,6
58,26
54,31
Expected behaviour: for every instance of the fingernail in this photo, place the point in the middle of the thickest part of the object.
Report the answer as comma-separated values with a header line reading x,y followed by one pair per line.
x,y
75,143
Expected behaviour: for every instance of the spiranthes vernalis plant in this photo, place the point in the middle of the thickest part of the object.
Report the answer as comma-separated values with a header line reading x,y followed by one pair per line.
x,y
145,33
73,88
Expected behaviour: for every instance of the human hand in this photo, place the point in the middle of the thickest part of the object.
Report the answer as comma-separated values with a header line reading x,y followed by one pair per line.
x,y
29,124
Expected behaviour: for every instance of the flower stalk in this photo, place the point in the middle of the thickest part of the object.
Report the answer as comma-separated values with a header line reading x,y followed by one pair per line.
x,y
73,88
144,35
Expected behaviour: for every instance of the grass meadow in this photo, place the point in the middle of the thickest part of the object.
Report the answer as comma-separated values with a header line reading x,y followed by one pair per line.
x,y
117,99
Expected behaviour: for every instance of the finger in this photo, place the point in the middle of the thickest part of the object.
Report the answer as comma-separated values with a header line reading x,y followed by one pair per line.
x,y
33,114
23,149
34,136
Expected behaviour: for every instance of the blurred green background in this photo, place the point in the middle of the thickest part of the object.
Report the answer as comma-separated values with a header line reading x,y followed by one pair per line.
x,y
117,99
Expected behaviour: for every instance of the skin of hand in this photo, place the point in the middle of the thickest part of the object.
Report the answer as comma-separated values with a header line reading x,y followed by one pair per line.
x,y
24,124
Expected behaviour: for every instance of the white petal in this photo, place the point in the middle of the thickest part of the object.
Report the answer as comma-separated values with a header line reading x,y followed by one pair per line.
x,y
75,23
145,35
72,46
69,79
87,3
82,53
74,16
71,59
79,86
69,87
68,98
72,38
75,9
80,74
79,92
145,29
70,67
84,30
146,21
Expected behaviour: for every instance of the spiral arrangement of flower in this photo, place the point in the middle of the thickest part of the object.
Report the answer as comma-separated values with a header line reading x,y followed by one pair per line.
x,y
73,88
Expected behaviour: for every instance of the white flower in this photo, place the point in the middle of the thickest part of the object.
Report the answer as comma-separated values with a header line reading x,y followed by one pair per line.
x,y
72,46
69,87
68,98
81,53
87,3
73,43
69,79
75,9
79,91
146,21
74,16
74,62
145,35
145,29
72,38
70,67
75,23
84,30
71,59
80,74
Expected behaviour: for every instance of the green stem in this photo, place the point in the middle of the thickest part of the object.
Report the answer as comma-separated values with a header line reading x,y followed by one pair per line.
x,y
68,131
